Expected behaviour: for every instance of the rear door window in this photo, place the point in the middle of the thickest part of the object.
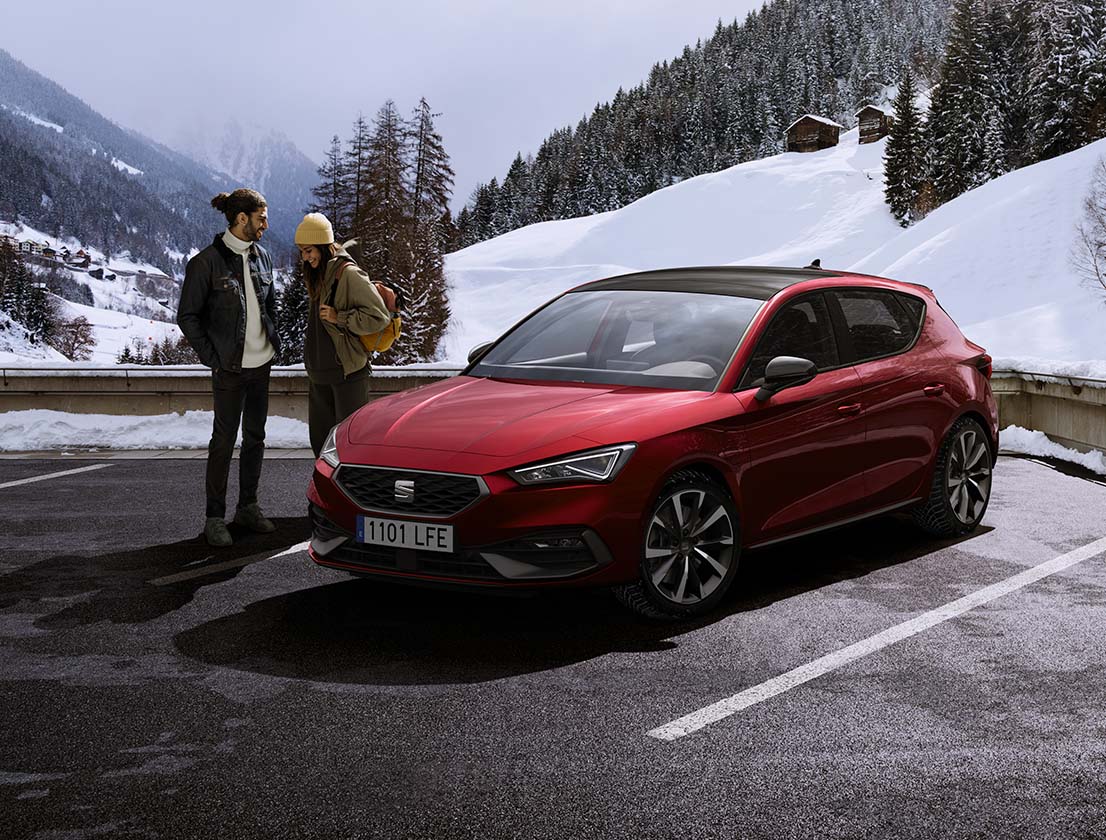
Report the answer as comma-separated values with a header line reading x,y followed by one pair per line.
x,y
879,323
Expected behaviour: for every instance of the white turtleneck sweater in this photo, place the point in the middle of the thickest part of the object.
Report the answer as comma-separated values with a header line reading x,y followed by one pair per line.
x,y
258,349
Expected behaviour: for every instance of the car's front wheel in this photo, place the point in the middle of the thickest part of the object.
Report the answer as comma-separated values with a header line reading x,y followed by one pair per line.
x,y
961,486
690,550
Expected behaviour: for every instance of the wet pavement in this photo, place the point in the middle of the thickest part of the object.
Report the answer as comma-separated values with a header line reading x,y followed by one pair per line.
x,y
154,687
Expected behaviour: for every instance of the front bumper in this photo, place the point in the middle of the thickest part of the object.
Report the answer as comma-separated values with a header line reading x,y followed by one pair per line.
x,y
512,536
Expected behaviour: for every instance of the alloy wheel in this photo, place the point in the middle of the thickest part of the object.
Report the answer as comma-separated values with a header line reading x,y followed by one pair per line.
x,y
689,546
969,476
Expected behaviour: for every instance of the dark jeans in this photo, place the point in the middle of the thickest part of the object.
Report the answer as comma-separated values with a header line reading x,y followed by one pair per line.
x,y
328,405
240,399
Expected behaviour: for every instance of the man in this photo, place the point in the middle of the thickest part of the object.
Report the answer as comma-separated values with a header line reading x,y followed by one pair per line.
x,y
228,314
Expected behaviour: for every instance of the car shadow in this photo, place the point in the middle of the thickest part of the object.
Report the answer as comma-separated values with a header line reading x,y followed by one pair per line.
x,y
364,632
120,587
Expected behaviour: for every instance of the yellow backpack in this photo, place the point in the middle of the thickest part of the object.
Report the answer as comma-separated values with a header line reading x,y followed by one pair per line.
x,y
376,342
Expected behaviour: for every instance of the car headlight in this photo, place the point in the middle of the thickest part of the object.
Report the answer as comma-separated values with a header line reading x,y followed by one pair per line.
x,y
329,452
598,465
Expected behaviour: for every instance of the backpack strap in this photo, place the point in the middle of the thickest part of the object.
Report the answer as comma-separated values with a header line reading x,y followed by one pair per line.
x,y
337,278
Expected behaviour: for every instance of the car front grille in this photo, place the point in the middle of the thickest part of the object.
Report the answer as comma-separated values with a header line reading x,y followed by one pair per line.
x,y
435,494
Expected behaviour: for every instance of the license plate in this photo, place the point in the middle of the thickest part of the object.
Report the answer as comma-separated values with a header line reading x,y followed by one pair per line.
x,y
401,533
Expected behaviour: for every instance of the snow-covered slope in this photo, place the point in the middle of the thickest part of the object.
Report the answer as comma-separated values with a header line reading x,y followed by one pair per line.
x,y
116,330
997,257
17,349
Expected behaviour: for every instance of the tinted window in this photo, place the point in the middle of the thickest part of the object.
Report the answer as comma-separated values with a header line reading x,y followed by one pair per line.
x,y
878,323
662,339
914,308
801,329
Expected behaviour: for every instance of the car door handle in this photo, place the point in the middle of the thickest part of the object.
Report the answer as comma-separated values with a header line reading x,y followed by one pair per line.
x,y
850,410
933,390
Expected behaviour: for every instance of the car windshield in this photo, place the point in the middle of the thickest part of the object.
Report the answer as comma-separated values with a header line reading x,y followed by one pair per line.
x,y
658,339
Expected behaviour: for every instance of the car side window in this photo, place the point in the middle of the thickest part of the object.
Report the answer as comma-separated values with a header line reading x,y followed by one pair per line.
x,y
800,329
878,323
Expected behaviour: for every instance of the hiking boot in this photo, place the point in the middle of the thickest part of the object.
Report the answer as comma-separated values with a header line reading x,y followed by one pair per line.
x,y
252,518
216,533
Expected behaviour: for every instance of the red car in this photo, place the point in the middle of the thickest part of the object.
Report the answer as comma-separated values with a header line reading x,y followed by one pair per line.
x,y
640,432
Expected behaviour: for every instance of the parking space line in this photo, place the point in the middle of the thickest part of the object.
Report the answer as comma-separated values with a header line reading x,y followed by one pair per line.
x,y
48,476
203,571
785,682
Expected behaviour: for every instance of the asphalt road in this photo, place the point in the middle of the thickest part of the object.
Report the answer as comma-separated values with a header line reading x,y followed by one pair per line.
x,y
264,697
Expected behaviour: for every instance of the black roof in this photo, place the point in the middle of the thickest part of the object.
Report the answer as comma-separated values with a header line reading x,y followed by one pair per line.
x,y
751,281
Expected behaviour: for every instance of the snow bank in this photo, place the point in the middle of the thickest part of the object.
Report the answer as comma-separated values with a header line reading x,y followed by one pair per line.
x,y
1026,442
41,430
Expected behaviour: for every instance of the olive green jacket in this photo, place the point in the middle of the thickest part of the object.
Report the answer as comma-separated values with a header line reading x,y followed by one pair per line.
x,y
361,310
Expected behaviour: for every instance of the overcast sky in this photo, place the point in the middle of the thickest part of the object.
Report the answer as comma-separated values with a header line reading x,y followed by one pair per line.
x,y
502,74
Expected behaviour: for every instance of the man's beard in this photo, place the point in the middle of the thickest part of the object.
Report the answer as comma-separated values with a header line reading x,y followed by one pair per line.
x,y
253,233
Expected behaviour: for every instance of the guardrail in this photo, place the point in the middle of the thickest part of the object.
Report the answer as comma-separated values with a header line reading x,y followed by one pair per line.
x,y
145,390
1069,409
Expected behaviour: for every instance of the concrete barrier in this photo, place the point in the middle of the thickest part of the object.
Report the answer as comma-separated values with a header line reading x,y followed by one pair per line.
x,y
137,390
1069,409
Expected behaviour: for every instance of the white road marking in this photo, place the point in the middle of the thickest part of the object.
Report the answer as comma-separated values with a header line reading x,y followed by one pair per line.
x,y
48,476
804,673
204,571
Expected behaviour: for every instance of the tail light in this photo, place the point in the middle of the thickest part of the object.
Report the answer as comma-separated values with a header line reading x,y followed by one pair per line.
x,y
983,365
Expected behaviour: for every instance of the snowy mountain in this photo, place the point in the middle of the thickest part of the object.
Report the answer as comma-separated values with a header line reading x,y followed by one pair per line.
x,y
997,256
68,170
259,158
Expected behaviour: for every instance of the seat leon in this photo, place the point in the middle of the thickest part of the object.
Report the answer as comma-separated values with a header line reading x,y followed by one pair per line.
x,y
640,432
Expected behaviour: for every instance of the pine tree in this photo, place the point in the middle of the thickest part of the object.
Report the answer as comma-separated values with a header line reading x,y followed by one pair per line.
x,y
995,159
293,310
464,223
1069,39
955,127
904,160
385,214
356,171
426,313
332,194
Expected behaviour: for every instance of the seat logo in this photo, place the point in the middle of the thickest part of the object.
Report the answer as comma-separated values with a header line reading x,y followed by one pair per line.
x,y
405,490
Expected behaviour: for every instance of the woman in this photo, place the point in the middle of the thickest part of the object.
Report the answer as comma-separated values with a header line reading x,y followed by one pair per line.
x,y
344,305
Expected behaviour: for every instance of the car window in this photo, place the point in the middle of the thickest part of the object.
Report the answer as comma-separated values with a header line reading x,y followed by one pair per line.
x,y
800,329
914,308
878,323
658,338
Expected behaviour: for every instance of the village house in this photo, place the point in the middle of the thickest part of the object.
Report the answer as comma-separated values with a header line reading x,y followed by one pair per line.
x,y
875,123
811,133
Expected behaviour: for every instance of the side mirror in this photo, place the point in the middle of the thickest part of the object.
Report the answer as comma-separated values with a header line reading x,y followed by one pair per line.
x,y
479,350
785,372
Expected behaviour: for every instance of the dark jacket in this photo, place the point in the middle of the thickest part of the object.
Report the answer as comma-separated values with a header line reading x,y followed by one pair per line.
x,y
212,311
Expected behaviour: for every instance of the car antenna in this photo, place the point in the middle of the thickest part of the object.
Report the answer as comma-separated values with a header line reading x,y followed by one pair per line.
x,y
814,264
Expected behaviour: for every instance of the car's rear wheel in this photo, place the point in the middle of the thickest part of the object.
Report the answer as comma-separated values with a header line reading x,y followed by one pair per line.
x,y
961,486
690,550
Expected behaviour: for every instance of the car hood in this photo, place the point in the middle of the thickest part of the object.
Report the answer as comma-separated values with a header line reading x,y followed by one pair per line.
x,y
503,417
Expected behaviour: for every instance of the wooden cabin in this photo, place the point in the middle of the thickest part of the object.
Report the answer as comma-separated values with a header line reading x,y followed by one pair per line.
x,y
874,123
811,133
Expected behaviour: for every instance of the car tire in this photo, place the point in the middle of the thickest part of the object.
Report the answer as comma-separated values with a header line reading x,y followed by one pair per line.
x,y
961,487
690,550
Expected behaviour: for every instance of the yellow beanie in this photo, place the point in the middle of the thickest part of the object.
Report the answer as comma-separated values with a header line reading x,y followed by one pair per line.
x,y
315,229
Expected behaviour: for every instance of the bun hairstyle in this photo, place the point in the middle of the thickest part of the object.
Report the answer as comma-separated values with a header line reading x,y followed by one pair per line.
x,y
239,201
